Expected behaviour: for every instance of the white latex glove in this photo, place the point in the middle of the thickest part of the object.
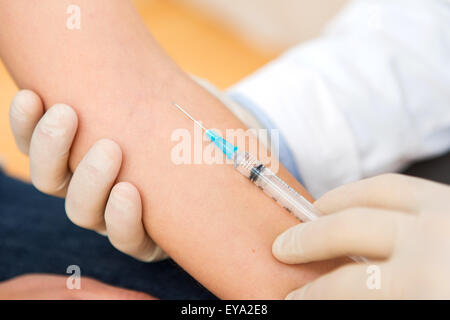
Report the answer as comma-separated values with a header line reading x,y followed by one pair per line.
x,y
400,222
93,200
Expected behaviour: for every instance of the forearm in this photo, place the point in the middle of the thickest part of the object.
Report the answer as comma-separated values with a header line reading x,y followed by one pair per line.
x,y
122,85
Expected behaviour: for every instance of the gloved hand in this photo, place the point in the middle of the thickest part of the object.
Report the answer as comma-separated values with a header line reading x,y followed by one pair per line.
x,y
401,223
93,200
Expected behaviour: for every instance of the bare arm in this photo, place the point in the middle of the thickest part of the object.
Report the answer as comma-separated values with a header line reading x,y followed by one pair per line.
x,y
217,226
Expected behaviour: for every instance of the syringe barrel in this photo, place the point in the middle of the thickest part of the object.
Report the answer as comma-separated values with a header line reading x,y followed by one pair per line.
x,y
275,187
279,190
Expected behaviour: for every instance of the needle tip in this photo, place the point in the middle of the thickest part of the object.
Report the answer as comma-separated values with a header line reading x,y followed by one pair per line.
x,y
188,115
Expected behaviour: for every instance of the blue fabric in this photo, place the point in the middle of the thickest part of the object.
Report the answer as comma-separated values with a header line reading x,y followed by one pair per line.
x,y
286,156
37,237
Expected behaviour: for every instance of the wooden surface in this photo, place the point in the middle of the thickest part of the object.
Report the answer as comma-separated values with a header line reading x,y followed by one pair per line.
x,y
196,42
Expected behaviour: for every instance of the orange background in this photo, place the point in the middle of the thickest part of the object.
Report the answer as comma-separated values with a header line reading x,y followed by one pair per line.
x,y
197,43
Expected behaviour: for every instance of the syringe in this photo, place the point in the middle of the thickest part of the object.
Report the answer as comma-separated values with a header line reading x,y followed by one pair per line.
x,y
264,178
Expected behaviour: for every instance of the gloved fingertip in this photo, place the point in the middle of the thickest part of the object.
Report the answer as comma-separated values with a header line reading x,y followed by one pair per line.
x,y
102,232
103,161
278,245
155,255
26,103
287,247
58,121
298,294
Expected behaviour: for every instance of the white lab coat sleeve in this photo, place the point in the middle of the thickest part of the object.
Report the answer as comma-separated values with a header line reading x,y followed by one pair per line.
x,y
369,96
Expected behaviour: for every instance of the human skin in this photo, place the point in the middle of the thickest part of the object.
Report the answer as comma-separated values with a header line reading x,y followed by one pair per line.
x,y
54,287
208,218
